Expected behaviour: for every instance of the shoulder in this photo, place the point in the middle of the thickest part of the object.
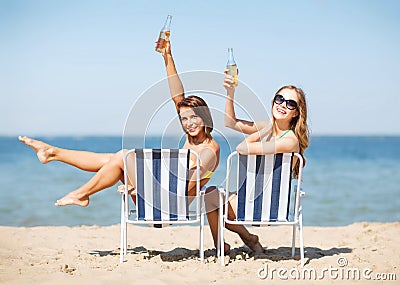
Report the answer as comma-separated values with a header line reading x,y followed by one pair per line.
x,y
263,124
212,147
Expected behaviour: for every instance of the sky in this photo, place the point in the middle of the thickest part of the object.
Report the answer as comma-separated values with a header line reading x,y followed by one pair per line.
x,y
80,67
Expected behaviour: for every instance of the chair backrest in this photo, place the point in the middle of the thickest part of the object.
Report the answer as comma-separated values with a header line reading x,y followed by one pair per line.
x,y
264,186
162,177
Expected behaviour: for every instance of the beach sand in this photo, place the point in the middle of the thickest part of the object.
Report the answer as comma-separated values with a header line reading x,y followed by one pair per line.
x,y
90,255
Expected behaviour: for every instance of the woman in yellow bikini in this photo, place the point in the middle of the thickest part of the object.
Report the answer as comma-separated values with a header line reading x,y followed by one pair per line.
x,y
287,131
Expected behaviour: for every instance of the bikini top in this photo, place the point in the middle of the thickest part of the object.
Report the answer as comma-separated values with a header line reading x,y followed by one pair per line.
x,y
206,175
284,133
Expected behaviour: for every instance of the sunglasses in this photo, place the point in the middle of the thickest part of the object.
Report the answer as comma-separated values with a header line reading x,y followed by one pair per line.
x,y
290,104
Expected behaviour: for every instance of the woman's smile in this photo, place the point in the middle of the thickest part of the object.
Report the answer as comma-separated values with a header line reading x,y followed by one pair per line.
x,y
281,110
192,129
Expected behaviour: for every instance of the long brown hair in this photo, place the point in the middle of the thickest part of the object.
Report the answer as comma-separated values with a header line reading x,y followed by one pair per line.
x,y
200,108
299,123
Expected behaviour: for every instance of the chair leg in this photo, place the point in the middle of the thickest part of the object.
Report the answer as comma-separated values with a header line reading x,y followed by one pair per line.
x,y
219,226
219,238
202,230
126,216
218,243
301,239
126,239
221,229
294,241
122,246
123,231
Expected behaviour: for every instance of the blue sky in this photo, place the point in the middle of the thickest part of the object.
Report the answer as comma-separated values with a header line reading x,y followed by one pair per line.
x,y
77,67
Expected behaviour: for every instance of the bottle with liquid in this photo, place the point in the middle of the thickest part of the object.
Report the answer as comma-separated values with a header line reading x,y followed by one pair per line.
x,y
164,34
232,67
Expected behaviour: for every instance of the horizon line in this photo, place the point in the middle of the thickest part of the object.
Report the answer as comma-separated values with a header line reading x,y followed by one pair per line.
x,y
215,135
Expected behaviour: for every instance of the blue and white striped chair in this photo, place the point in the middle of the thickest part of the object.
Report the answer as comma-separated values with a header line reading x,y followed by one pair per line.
x,y
263,194
162,177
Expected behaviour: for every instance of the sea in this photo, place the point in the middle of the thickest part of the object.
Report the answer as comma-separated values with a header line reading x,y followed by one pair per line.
x,y
346,179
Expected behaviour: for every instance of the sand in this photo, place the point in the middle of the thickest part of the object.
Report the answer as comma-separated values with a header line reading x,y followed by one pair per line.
x,y
90,255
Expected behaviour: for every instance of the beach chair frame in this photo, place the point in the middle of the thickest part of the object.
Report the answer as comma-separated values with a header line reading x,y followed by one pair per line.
x,y
136,214
285,178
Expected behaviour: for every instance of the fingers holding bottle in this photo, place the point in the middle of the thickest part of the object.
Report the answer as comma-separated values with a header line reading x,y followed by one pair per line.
x,y
229,82
167,49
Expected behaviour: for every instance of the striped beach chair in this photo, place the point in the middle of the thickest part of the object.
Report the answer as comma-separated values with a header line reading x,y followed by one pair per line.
x,y
263,188
162,178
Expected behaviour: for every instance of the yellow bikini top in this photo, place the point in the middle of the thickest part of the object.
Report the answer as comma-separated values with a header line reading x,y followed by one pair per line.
x,y
206,175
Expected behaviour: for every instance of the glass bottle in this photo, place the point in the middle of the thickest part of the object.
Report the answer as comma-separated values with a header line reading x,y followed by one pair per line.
x,y
164,34
232,67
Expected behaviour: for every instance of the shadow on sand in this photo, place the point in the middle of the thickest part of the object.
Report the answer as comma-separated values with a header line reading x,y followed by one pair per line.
x,y
239,253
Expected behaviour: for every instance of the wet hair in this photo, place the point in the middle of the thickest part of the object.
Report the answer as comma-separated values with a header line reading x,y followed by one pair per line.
x,y
299,123
200,108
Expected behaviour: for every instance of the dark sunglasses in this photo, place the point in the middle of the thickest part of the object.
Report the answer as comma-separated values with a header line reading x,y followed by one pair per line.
x,y
290,104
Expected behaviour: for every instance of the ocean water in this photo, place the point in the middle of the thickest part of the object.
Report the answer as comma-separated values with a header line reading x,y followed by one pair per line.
x,y
346,180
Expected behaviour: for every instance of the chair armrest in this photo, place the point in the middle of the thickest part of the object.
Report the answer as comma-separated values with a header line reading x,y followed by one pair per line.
x,y
203,191
121,189
222,190
302,193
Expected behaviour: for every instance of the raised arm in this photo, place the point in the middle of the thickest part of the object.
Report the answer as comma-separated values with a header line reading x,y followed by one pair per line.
x,y
230,119
174,82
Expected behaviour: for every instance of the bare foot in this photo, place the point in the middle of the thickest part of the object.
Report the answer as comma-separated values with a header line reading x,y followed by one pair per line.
x,y
252,242
227,248
131,189
43,151
73,199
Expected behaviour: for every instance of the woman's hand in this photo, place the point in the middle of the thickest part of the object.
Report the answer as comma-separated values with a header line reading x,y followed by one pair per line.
x,y
167,50
229,83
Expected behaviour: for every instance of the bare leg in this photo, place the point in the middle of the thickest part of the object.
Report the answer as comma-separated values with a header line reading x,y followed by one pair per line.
x,y
212,217
249,239
212,206
87,161
107,176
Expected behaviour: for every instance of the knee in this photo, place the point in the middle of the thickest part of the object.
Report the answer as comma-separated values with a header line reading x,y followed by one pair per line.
x,y
211,188
117,159
211,198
